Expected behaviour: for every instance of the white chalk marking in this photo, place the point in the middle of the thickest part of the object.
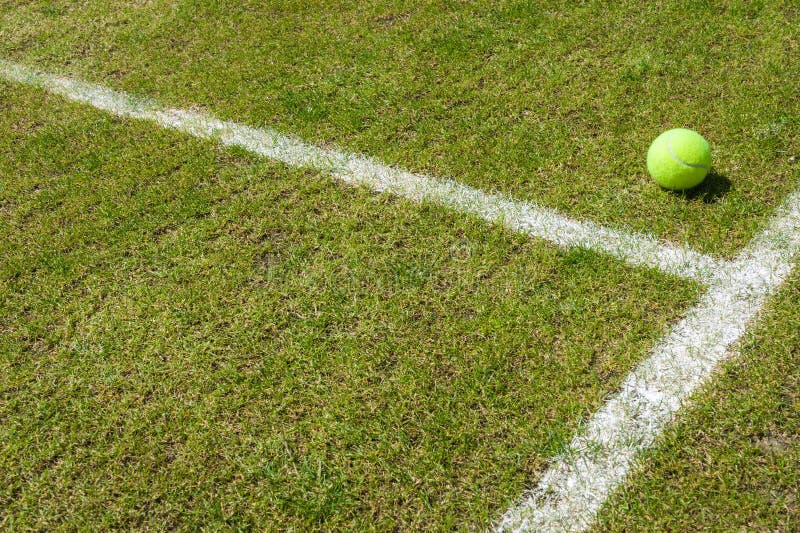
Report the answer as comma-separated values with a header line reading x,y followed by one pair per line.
x,y
577,484
635,248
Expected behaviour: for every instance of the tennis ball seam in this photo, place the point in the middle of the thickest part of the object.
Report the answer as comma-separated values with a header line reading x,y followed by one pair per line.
x,y
681,161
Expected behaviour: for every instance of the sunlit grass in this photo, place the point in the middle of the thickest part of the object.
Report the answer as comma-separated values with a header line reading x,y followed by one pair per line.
x,y
195,337
554,102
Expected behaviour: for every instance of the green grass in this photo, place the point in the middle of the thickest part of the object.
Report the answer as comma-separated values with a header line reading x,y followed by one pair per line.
x,y
555,102
191,336
731,464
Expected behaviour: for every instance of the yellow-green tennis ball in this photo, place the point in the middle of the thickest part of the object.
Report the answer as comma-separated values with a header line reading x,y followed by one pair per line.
x,y
679,159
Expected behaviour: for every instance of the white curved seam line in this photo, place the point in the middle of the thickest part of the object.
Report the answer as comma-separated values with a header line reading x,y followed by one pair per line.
x,y
681,161
541,222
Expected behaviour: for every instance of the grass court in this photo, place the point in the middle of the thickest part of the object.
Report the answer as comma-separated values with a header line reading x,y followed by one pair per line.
x,y
214,328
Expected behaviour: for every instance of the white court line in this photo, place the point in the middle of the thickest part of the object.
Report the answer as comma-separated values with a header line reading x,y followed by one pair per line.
x,y
635,248
574,488
597,460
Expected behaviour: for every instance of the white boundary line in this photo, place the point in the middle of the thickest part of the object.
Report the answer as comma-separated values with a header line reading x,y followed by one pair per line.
x,y
578,482
574,488
635,248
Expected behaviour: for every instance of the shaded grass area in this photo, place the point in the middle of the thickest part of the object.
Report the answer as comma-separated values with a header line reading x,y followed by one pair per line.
x,y
731,463
551,101
190,336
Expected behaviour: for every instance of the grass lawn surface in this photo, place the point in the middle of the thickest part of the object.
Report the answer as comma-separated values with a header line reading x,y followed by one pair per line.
x,y
556,102
731,463
194,337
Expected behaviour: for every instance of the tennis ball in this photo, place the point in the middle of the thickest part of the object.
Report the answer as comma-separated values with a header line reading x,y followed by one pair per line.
x,y
679,159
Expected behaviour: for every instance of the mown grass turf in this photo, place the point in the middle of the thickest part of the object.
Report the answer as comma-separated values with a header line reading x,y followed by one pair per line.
x,y
192,337
551,101
731,464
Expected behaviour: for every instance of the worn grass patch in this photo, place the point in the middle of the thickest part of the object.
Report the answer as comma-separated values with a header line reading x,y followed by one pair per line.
x,y
551,101
190,336
731,463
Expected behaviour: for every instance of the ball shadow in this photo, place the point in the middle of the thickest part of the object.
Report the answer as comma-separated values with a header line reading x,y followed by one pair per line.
x,y
711,191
